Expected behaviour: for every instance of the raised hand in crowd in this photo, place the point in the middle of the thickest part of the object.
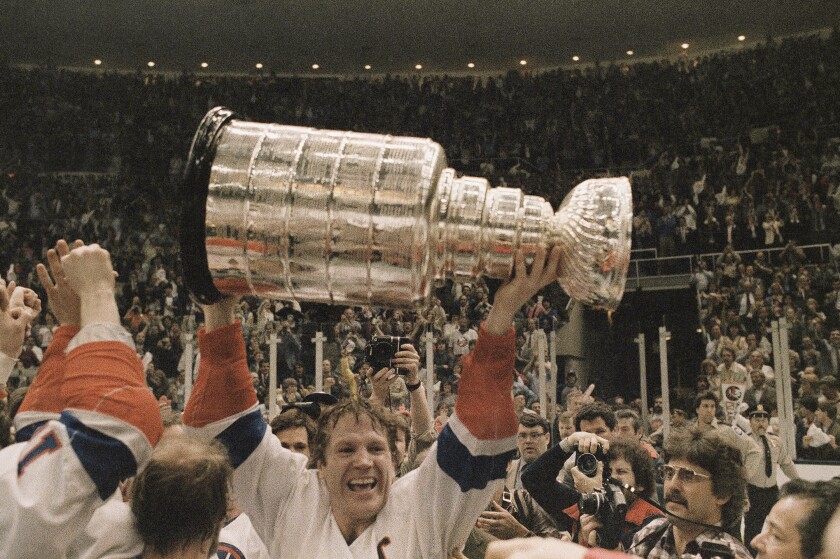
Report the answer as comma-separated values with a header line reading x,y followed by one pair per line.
x,y
18,307
62,300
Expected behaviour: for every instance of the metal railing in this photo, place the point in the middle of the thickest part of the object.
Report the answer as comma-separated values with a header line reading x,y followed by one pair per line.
x,y
680,268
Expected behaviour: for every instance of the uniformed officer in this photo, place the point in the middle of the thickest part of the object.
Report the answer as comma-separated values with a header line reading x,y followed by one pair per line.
x,y
762,486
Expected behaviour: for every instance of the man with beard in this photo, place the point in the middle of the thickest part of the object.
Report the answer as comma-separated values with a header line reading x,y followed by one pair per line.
x,y
704,491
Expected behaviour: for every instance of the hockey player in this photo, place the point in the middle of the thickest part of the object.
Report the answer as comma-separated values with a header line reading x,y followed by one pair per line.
x,y
350,506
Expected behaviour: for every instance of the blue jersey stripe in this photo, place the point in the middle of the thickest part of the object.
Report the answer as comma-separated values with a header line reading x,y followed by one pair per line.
x,y
106,460
468,471
25,433
243,437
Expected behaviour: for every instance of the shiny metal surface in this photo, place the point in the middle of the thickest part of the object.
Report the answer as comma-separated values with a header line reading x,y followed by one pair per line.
x,y
347,218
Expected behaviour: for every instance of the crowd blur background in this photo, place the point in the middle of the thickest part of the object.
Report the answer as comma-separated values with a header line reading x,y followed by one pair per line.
x,y
734,159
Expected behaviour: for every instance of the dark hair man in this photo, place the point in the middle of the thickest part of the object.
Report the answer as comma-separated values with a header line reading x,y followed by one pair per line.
x,y
705,406
596,418
295,430
705,490
796,523
351,504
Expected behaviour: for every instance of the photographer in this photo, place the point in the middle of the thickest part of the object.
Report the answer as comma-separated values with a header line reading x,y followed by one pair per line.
x,y
705,490
629,475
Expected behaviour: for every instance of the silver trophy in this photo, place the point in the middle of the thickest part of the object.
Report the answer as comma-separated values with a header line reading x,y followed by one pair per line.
x,y
294,213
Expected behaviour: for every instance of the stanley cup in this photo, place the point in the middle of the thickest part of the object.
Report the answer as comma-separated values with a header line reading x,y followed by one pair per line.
x,y
294,213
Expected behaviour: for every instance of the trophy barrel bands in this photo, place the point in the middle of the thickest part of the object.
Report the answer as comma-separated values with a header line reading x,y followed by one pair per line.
x,y
294,213
322,216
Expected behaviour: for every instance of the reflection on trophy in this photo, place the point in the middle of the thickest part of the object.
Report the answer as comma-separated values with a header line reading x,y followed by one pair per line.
x,y
294,213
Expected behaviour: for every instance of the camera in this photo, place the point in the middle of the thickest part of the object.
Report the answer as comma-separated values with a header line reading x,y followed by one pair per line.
x,y
381,349
608,505
587,463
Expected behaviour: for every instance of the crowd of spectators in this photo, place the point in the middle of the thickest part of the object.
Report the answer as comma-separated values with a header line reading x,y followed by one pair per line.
x,y
729,153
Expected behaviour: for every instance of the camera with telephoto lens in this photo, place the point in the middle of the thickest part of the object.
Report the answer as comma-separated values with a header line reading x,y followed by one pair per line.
x,y
381,349
608,505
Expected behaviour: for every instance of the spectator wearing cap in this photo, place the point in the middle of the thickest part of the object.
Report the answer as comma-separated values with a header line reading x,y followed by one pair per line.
x,y
762,485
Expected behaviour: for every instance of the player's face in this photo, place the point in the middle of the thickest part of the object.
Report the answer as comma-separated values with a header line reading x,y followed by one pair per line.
x,y
692,500
358,472
295,439
780,538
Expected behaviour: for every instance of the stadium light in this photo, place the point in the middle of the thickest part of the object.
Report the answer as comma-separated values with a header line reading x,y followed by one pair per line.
x,y
418,66
685,46
576,58
742,38
471,65
259,66
630,53
523,62
97,62
316,66
150,63
367,66
204,65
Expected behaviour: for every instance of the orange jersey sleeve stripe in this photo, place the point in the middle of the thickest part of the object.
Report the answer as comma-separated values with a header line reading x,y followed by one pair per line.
x,y
107,378
484,403
45,393
223,387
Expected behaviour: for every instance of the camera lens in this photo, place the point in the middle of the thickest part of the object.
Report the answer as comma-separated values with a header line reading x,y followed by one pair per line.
x,y
590,503
587,464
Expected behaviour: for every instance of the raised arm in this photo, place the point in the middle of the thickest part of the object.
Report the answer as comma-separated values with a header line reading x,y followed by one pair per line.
x,y
15,317
460,475
105,432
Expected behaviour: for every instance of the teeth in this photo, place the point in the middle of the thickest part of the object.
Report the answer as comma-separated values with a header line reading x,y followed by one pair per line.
x,y
364,483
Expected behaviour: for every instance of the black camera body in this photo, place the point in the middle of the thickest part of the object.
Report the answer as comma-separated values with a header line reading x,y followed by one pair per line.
x,y
608,505
587,463
381,349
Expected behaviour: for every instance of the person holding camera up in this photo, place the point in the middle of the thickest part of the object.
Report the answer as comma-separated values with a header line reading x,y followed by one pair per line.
x,y
614,485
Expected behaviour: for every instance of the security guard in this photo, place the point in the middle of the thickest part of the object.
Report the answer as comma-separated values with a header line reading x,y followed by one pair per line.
x,y
762,486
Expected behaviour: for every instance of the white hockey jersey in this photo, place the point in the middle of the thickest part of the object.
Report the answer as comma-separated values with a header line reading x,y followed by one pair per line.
x,y
429,512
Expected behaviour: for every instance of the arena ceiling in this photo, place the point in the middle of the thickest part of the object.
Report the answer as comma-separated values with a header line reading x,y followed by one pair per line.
x,y
342,36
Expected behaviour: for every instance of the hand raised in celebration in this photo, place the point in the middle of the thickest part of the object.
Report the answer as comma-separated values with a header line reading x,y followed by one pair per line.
x,y
62,300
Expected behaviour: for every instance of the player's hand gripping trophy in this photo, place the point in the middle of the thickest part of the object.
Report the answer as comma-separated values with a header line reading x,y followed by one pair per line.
x,y
293,213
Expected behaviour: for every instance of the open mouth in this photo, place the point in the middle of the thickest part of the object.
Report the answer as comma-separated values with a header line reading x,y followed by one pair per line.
x,y
363,484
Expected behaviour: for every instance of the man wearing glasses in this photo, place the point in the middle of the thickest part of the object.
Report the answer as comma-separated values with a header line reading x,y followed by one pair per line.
x,y
705,490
